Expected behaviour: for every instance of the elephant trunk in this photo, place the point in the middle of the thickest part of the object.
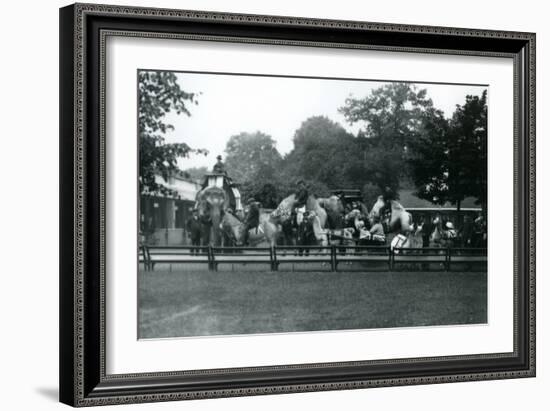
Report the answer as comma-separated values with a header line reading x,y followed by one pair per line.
x,y
216,219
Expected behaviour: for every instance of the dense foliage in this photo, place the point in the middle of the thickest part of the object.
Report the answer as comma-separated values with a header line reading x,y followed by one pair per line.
x,y
403,140
159,93
449,157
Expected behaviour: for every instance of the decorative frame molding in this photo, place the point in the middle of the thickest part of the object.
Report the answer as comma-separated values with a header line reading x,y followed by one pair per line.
x,y
83,33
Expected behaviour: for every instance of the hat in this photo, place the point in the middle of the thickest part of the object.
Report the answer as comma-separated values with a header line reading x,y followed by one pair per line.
x,y
449,225
251,200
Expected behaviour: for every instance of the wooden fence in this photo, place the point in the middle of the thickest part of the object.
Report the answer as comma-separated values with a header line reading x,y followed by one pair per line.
x,y
330,257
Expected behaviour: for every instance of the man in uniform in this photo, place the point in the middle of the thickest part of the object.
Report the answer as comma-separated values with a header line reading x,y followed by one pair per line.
x,y
427,230
194,228
388,196
467,231
301,194
219,167
480,232
305,233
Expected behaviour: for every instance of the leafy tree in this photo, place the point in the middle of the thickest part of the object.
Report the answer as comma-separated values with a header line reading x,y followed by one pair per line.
x,y
250,156
385,167
252,160
391,118
469,157
449,158
268,194
195,173
428,156
390,114
324,152
159,94
370,193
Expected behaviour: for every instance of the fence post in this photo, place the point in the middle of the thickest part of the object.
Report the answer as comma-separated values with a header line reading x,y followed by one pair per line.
x,y
147,259
273,258
390,260
145,264
211,263
333,262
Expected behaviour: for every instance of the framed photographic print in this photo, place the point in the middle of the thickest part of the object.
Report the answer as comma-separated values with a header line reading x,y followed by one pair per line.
x,y
262,204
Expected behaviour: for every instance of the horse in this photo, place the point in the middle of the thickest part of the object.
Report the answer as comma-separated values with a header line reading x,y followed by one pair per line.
x,y
234,231
282,214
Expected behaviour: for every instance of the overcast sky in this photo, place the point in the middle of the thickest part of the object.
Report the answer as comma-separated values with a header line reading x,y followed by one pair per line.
x,y
230,104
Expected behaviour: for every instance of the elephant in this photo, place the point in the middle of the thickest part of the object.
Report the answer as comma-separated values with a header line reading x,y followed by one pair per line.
x,y
211,203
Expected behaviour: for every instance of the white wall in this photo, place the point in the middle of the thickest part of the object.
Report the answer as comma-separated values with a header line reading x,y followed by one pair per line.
x,y
29,130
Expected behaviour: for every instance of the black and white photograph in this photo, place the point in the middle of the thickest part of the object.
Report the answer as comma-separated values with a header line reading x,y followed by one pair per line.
x,y
286,205
259,204
283,204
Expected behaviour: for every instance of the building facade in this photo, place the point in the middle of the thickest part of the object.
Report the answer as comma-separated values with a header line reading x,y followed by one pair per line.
x,y
163,218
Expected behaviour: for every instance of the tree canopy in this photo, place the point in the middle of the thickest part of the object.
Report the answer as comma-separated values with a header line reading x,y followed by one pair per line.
x,y
403,141
449,157
389,114
249,155
390,117
159,94
252,160
323,151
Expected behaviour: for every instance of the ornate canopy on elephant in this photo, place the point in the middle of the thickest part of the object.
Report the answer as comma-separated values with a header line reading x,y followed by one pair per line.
x,y
219,178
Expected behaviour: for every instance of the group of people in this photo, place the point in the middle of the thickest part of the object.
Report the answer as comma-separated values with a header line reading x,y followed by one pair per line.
x,y
352,223
435,231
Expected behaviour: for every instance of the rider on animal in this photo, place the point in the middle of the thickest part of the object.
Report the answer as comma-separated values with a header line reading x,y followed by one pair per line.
x,y
301,194
219,167
388,196
252,219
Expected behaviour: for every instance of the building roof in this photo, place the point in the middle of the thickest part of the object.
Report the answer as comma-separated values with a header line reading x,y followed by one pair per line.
x,y
185,189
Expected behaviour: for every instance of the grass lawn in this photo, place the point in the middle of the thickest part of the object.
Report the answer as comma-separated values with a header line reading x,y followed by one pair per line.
x,y
193,303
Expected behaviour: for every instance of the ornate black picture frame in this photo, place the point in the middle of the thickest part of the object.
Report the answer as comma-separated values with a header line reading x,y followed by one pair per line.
x,y
83,30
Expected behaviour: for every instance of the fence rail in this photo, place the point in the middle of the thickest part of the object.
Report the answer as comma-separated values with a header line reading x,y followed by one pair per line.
x,y
328,256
